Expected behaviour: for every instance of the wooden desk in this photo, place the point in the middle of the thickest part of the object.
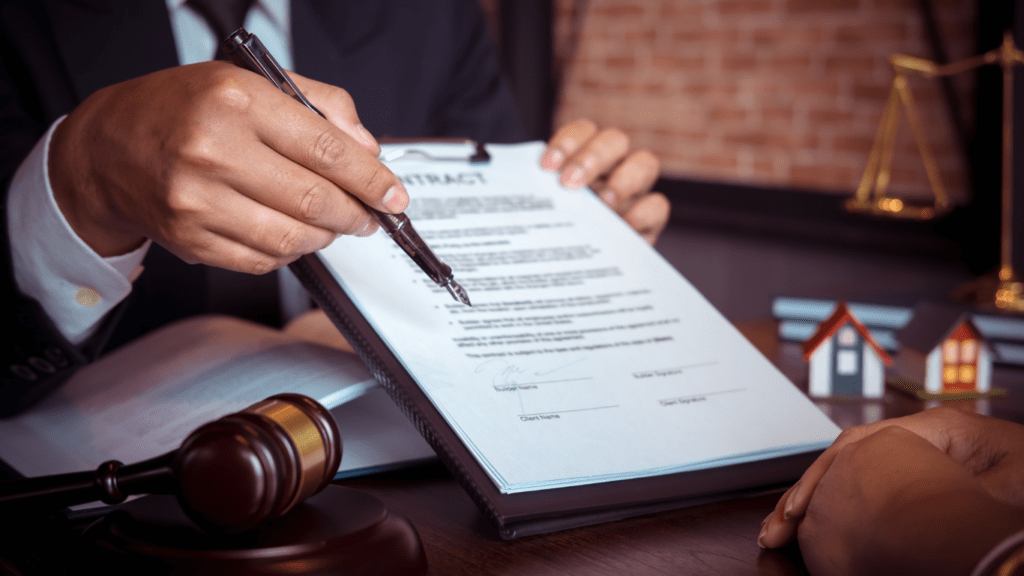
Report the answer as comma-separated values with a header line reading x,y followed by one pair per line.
x,y
719,538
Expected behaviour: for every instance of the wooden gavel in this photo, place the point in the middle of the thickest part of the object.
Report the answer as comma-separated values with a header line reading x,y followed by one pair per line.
x,y
229,475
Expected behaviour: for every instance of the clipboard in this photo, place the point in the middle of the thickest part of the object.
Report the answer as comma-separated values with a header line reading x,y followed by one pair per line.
x,y
534,512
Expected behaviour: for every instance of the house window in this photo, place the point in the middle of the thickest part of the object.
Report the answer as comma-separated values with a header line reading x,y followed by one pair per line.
x,y
967,374
847,336
950,352
846,362
968,351
960,352
949,375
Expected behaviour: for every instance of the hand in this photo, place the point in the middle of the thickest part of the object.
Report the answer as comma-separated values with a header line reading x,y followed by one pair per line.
x,y
891,476
585,155
893,503
219,166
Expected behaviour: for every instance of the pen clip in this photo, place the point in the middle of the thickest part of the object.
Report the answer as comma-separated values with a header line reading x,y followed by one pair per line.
x,y
246,51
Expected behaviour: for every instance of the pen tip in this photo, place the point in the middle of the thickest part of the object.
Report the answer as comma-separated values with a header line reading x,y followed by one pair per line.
x,y
457,291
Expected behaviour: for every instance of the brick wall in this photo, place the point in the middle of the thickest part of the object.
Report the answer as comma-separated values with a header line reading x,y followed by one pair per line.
x,y
774,92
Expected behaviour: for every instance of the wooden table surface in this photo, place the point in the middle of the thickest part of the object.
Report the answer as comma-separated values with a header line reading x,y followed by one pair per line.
x,y
718,538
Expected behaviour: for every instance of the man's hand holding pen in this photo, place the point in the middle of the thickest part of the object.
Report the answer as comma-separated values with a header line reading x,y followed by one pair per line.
x,y
219,166
247,52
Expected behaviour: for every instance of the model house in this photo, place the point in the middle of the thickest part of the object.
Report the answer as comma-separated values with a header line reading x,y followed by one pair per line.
x,y
943,352
844,359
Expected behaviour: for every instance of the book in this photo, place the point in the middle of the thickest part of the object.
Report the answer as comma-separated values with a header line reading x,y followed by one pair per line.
x,y
799,318
588,381
144,398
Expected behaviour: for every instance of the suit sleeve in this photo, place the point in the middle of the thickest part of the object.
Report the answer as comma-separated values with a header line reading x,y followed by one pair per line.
x,y
35,357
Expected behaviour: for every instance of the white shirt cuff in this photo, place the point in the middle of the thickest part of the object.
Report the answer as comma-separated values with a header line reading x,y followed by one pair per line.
x,y
74,285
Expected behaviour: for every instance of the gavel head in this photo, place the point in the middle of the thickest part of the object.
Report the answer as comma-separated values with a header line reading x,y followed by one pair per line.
x,y
248,467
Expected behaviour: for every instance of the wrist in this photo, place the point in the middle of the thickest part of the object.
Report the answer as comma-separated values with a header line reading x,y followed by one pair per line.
x,y
70,176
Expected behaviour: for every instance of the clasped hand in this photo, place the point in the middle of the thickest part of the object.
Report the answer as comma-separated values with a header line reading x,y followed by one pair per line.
x,y
929,493
220,167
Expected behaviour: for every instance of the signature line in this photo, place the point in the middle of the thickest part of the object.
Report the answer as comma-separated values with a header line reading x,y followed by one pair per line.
x,y
683,367
566,411
704,394
543,382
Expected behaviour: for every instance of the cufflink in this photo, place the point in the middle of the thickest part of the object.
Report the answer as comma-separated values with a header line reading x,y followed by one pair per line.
x,y
87,297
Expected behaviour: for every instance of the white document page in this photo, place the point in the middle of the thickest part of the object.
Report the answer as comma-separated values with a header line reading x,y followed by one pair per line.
x,y
585,357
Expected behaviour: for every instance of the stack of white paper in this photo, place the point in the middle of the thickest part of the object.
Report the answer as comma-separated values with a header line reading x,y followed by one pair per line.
x,y
585,356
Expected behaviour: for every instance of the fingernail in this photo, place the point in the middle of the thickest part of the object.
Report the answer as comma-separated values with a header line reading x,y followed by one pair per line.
x,y
649,238
609,198
367,139
760,537
368,229
552,159
791,501
573,177
396,199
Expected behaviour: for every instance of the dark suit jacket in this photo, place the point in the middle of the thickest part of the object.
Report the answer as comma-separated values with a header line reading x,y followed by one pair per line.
x,y
415,68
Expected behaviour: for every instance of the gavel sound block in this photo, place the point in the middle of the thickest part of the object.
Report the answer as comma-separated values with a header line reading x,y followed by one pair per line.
x,y
231,476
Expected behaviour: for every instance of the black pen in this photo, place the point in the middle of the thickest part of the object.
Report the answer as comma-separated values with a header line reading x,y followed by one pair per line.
x,y
246,51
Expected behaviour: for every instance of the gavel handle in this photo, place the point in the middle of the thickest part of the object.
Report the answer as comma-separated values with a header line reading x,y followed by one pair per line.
x,y
111,483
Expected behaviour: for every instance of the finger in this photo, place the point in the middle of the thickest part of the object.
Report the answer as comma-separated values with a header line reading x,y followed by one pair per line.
x,y
220,218
648,215
798,500
321,147
566,142
269,231
597,157
336,103
777,530
633,177
279,183
215,250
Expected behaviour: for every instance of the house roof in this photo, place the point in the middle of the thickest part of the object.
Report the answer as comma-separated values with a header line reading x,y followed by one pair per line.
x,y
931,324
840,317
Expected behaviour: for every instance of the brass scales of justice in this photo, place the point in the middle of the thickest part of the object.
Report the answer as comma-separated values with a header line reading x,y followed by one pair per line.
x,y
1008,289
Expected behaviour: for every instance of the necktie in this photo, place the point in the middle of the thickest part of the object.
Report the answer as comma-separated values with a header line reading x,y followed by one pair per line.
x,y
224,16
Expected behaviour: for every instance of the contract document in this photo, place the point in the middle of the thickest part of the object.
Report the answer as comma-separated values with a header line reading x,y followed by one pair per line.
x,y
585,357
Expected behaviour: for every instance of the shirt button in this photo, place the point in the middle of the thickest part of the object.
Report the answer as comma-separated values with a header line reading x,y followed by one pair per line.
x,y
23,372
41,365
87,297
56,356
